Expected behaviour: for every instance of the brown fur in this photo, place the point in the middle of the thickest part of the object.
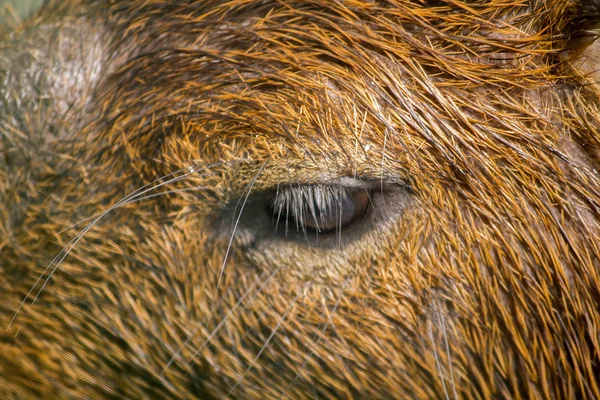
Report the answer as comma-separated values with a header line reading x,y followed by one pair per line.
x,y
479,279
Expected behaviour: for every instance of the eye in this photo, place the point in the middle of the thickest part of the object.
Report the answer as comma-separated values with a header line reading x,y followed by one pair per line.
x,y
316,215
318,208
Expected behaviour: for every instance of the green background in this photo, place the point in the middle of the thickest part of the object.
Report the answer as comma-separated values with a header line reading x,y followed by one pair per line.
x,y
24,8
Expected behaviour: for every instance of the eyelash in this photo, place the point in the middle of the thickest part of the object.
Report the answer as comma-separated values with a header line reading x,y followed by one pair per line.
x,y
318,208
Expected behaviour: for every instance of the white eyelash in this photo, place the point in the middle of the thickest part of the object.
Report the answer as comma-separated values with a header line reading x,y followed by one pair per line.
x,y
296,202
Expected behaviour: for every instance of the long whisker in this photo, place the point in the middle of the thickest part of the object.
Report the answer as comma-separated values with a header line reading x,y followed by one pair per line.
x,y
191,336
211,336
366,304
273,332
437,359
444,330
58,259
138,200
167,192
237,221
316,343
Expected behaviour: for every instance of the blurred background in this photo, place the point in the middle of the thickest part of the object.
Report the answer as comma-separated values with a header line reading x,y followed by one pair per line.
x,y
13,12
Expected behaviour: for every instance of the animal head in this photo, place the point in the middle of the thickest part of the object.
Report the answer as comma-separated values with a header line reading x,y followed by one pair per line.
x,y
301,199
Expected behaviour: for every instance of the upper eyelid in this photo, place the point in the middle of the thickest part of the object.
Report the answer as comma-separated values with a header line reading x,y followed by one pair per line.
x,y
356,183
345,182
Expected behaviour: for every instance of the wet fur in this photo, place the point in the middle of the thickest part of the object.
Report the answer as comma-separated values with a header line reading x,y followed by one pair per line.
x,y
479,279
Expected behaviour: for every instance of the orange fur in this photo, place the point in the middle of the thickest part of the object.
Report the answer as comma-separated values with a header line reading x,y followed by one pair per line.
x,y
480,281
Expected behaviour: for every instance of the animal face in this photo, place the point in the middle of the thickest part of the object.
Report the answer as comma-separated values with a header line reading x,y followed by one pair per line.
x,y
301,199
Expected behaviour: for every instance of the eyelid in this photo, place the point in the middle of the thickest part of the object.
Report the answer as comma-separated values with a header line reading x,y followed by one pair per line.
x,y
346,182
359,184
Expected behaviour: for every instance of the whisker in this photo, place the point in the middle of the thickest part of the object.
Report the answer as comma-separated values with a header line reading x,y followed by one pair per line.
x,y
316,343
279,211
59,258
137,200
211,336
273,332
239,216
360,322
437,359
191,336
166,192
444,330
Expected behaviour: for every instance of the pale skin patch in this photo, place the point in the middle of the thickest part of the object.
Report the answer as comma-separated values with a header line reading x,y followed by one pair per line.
x,y
589,61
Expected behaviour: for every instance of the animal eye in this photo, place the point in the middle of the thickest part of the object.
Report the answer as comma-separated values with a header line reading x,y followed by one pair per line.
x,y
318,208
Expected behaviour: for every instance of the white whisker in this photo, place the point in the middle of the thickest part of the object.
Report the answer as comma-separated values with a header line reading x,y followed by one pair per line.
x,y
316,343
211,336
444,330
137,200
59,258
239,216
273,332
437,359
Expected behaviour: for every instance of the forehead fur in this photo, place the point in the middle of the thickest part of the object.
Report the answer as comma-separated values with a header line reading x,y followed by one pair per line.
x,y
426,76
